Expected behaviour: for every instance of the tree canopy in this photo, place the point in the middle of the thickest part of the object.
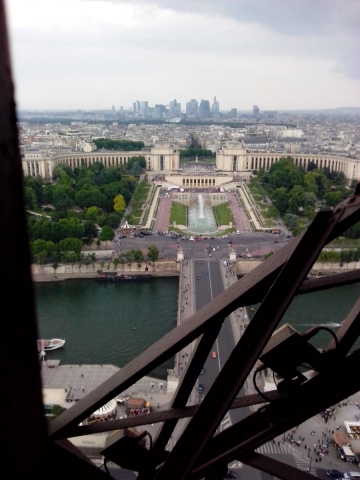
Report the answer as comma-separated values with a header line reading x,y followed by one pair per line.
x,y
125,145
119,203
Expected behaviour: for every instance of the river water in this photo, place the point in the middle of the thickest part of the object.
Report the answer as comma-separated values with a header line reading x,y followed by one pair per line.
x,y
113,323
106,322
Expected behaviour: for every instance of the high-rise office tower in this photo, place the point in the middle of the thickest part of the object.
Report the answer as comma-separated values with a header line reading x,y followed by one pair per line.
x,y
256,110
215,106
144,108
160,111
233,112
174,108
137,106
134,107
204,109
192,107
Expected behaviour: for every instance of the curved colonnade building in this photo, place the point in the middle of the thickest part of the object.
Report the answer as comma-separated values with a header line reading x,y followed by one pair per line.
x,y
233,162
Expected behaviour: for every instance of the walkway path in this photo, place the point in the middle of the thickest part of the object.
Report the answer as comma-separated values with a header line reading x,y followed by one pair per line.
x,y
163,215
152,208
249,207
241,221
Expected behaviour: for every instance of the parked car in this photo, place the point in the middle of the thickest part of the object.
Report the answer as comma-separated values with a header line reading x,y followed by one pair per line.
x,y
230,474
333,473
200,388
213,354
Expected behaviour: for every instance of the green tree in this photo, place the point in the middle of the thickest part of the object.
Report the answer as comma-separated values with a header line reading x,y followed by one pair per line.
x,y
153,253
92,258
112,220
281,200
285,173
90,230
30,198
63,197
119,203
88,198
92,213
140,160
333,198
69,245
107,234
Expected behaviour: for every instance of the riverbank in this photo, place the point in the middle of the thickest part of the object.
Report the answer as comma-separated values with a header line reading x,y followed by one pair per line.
x,y
47,273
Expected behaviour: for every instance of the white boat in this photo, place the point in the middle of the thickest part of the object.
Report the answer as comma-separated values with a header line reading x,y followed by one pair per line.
x,y
53,344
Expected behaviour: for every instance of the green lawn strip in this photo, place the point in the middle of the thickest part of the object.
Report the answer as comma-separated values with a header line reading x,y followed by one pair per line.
x,y
228,230
177,230
157,205
223,214
138,212
178,214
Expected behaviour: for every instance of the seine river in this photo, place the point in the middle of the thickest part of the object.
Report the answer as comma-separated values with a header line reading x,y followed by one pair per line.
x,y
107,322
113,323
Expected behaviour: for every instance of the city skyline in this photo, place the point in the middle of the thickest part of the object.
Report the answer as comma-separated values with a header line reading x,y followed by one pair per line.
x,y
93,54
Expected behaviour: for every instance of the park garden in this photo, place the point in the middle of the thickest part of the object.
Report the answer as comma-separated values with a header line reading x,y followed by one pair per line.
x,y
81,205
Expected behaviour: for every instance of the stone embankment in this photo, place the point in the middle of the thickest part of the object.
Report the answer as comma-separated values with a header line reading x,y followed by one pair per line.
x,y
242,267
46,273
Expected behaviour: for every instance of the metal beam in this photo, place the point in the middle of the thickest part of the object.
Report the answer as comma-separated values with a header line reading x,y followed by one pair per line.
x,y
241,439
349,331
163,416
329,281
249,289
227,384
24,434
274,467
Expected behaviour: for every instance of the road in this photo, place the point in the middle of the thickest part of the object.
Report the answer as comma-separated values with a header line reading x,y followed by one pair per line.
x,y
258,244
208,287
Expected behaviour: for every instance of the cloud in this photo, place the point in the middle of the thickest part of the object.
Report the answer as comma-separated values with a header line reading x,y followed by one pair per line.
x,y
290,17
89,53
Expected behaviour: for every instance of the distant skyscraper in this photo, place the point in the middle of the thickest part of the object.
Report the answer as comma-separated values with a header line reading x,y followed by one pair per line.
x,y
144,108
256,110
137,106
204,108
160,111
192,107
233,112
134,107
174,108
215,106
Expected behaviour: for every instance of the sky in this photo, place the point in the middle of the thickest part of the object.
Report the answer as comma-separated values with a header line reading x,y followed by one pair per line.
x,y
278,54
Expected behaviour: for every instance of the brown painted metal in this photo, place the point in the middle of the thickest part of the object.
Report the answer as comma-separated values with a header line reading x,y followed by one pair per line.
x,y
274,467
329,281
249,289
26,446
170,414
23,423
282,415
248,350
349,331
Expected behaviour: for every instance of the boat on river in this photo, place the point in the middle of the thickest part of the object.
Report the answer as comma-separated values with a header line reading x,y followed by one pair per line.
x,y
53,344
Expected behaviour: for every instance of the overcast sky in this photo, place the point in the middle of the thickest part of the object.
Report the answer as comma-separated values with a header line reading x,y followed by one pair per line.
x,y
92,54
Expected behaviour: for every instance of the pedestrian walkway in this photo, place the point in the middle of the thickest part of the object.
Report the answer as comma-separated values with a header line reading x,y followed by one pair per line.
x,y
276,448
241,220
303,463
152,207
225,422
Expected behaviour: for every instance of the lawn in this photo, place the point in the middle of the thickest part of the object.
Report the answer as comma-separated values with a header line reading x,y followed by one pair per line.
x,y
139,197
223,214
178,214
